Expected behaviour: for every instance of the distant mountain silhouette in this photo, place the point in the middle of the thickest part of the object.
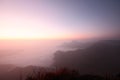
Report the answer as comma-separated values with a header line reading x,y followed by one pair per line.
x,y
4,68
12,72
76,44
100,58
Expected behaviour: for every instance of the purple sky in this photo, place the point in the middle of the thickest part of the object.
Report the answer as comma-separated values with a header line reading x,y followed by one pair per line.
x,y
59,19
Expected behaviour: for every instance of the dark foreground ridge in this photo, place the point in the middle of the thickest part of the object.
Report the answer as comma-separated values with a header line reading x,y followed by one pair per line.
x,y
41,73
62,74
100,58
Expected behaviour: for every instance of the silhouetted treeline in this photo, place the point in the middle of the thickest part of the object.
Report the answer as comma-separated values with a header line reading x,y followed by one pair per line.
x,y
61,74
66,74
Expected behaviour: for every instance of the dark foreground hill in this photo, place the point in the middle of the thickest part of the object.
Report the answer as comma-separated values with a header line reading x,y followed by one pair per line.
x,y
102,57
12,72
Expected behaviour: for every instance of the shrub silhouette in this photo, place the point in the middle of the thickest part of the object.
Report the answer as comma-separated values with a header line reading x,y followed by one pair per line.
x,y
61,74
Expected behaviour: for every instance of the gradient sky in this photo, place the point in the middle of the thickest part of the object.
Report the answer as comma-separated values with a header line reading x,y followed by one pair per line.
x,y
59,19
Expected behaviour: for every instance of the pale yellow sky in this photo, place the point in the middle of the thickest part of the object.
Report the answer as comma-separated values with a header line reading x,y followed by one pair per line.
x,y
17,23
31,19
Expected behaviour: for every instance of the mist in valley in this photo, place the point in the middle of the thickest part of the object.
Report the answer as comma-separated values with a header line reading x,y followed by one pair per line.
x,y
28,52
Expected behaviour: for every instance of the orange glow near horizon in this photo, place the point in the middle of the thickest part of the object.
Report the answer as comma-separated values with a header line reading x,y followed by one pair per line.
x,y
32,30
28,31
20,27
29,35
23,25
17,35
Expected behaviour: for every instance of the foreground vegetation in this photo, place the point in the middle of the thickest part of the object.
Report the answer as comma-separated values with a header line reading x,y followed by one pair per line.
x,y
65,74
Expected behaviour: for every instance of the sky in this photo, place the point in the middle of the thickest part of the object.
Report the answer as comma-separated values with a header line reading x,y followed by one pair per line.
x,y
59,19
